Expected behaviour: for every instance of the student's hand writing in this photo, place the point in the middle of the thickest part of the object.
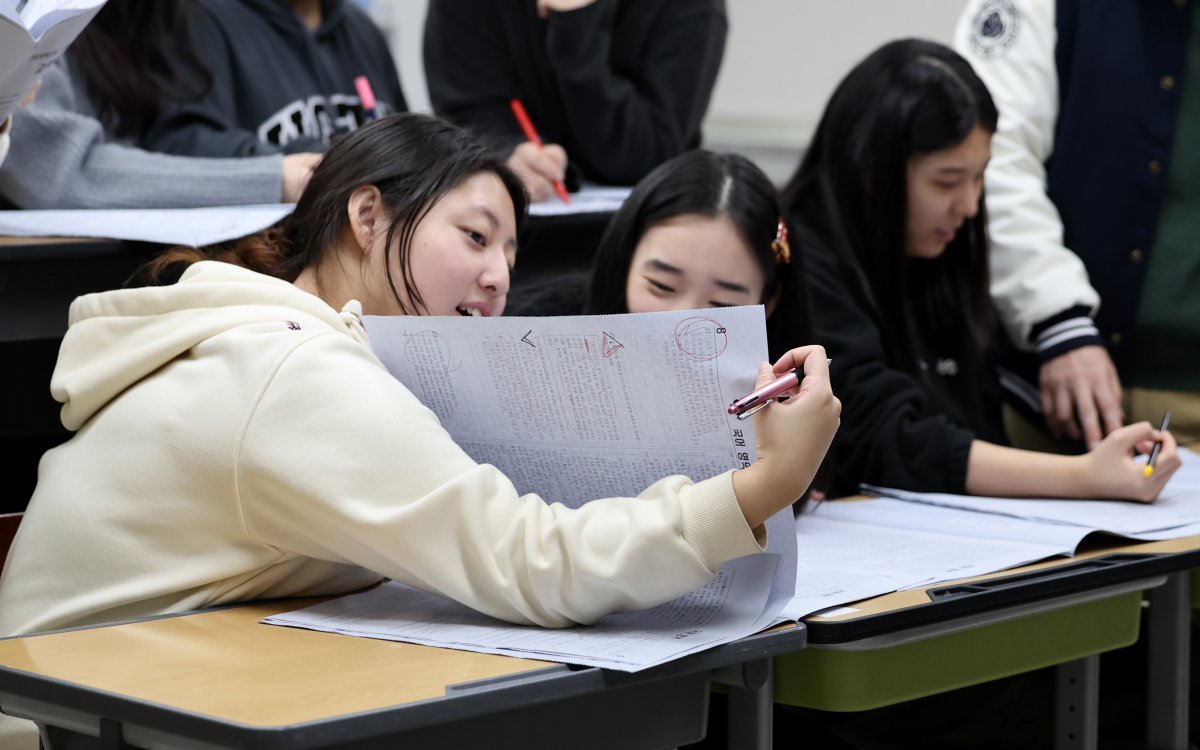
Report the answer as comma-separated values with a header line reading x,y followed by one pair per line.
x,y
1082,382
792,436
297,168
1111,471
546,7
538,167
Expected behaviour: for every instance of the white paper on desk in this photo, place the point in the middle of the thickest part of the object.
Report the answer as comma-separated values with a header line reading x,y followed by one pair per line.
x,y
718,613
1174,514
194,227
591,199
583,407
848,551
32,39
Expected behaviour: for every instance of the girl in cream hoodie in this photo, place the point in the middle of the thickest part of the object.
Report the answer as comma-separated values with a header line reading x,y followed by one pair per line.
x,y
236,439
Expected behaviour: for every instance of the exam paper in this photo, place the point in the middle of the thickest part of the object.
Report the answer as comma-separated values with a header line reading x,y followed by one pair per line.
x,y
583,407
723,611
194,227
1176,512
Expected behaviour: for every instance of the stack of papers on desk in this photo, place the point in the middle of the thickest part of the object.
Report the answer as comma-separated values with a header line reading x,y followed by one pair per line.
x,y
852,550
573,409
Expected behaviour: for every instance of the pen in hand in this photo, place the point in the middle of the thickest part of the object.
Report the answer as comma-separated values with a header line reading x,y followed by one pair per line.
x,y
776,390
532,136
1166,422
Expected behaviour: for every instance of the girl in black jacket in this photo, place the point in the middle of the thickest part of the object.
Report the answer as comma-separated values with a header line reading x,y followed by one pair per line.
x,y
888,204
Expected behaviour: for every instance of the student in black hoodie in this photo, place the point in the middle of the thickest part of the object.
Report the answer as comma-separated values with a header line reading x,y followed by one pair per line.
x,y
615,86
282,78
889,206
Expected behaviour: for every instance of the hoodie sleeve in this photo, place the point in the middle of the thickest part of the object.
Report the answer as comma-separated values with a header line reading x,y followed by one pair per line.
x,y
891,433
62,158
340,462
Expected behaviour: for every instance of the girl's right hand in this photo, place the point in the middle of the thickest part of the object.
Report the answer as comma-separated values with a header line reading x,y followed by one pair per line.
x,y
1111,471
792,436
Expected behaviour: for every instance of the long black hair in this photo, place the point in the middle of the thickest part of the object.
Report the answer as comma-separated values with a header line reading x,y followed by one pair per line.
x,y
910,97
708,184
413,159
134,55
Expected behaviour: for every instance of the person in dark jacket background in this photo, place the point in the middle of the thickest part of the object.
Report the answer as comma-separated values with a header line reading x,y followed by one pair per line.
x,y
888,202
616,87
282,78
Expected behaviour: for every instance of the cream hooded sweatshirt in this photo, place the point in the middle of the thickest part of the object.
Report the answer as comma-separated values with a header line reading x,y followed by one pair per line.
x,y
237,439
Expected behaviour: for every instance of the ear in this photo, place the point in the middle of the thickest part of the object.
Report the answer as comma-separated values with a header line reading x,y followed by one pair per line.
x,y
367,219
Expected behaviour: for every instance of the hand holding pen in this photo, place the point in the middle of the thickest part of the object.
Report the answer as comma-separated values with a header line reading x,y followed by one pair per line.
x,y
792,436
540,167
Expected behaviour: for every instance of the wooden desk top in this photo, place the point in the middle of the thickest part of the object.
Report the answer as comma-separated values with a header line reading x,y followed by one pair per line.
x,y
226,665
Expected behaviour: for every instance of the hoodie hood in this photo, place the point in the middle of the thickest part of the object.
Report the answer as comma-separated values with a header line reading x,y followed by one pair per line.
x,y
115,339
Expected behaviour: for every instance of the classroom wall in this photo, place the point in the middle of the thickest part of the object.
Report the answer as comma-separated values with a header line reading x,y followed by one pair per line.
x,y
782,60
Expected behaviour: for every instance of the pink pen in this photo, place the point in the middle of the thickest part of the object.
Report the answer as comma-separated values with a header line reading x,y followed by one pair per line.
x,y
366,97
776,390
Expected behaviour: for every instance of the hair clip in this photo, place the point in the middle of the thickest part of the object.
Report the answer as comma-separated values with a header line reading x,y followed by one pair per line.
x,y
780,246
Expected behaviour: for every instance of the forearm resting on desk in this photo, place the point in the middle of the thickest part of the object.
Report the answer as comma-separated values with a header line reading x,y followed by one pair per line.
x,y
1109,471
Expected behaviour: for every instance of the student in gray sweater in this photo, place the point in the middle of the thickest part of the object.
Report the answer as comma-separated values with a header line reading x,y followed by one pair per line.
x,y
77,144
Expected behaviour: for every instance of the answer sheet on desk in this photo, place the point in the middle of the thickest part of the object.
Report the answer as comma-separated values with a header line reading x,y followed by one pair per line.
x,y
848,551
1176,512
591,199
721,612
584,407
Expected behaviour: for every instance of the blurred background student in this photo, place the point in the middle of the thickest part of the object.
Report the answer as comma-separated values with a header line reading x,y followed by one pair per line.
x,y
615,86
280,78
81,142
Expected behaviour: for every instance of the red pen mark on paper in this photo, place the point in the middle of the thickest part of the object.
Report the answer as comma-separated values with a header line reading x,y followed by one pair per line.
x,y
609,345
701,339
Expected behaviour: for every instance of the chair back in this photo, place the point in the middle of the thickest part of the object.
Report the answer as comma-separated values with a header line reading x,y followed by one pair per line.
x,y
8,530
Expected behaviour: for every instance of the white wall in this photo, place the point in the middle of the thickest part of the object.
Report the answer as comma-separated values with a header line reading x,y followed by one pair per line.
x,y
782,58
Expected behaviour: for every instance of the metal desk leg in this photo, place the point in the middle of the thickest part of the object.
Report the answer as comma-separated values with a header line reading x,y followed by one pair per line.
x,y
751,701
1169,656
1077,704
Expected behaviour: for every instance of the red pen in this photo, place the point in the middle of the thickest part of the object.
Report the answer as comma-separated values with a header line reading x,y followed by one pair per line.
x,y
776,390
532,136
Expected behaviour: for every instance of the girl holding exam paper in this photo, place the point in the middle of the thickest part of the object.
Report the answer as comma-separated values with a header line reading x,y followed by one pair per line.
x,y
236,438
889,203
